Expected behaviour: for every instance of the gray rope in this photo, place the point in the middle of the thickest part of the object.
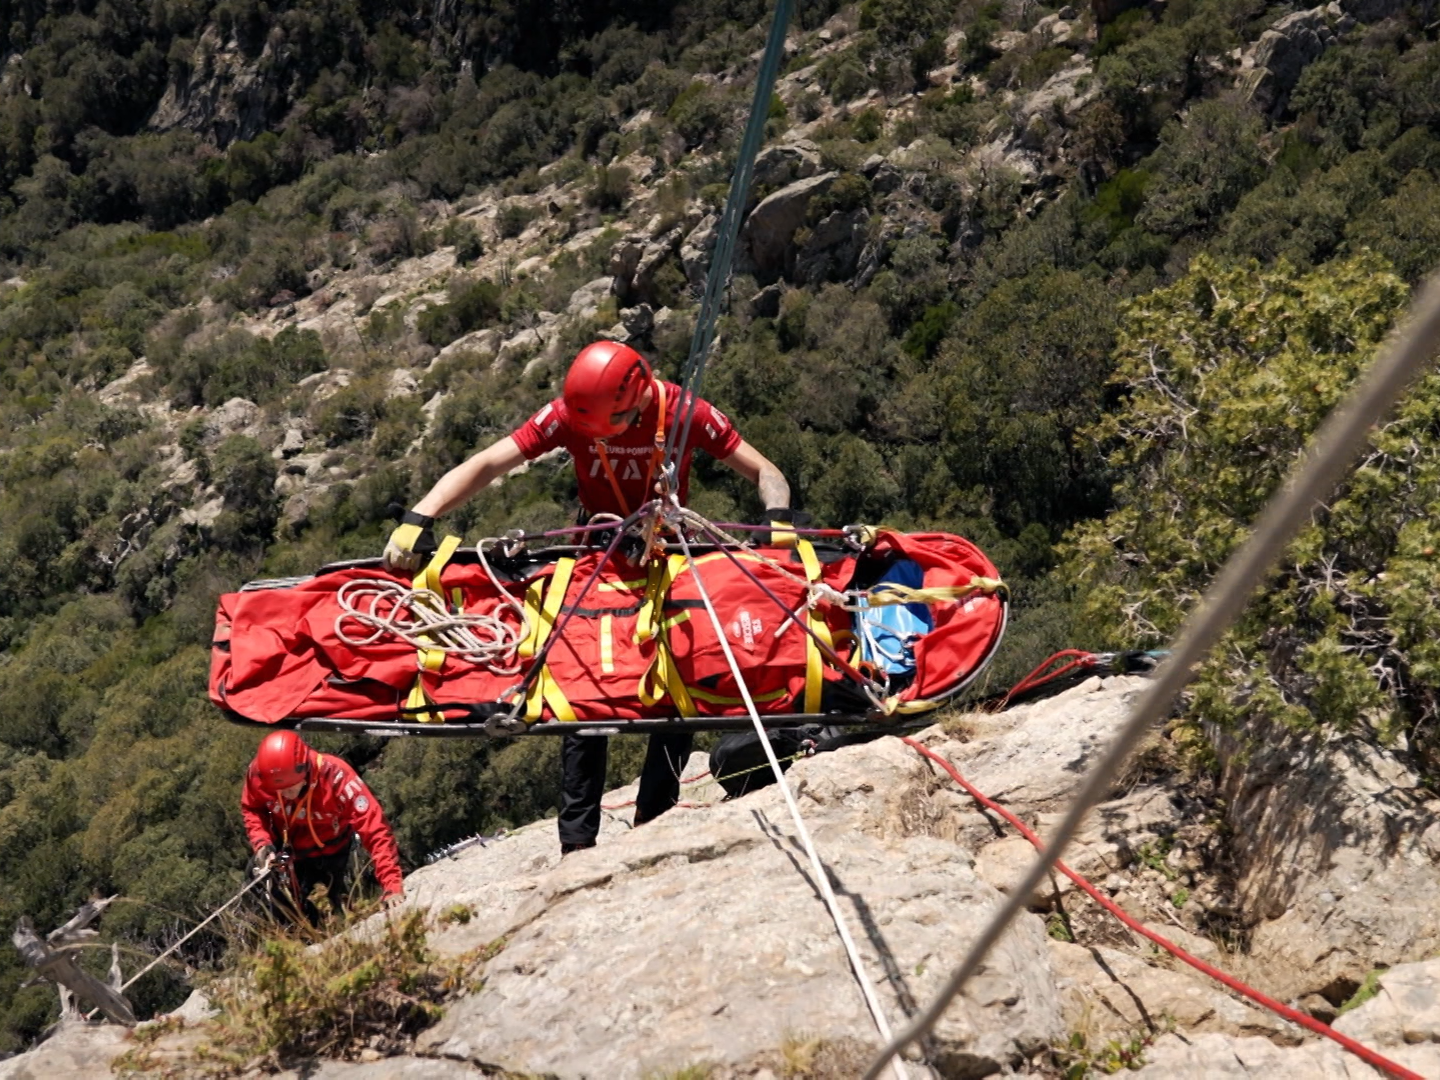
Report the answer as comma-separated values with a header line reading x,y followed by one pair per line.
x,y
209,919
717,278
1334,447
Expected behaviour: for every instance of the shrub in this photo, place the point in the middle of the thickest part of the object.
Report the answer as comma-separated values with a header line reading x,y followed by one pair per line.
x,y
288,1002
464,237
513,217
609,189
1227,375
473,304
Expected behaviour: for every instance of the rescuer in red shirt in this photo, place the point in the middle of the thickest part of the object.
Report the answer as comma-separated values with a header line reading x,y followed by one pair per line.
x,y
313,805
613,416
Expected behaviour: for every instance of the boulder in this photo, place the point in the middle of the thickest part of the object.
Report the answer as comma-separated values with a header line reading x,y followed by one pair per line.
x,y
126,390
1336,843
402,383
485,341
293,443
832,250
766,248
586,300
1282,53
779,166
696,249
73,1048
236,417
765,304
642,284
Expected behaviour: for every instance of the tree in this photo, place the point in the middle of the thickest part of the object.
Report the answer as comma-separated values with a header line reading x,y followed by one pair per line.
x,y
1226,375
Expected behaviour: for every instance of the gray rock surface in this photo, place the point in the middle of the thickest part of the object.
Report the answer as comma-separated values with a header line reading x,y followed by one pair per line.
x,y
75,1049
833,249
1337,846
765,239
602,976
1281,55
777,166
1109,994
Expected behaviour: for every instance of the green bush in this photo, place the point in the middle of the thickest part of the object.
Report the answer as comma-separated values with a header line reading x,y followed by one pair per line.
x,y
1227,374
464,237
473,304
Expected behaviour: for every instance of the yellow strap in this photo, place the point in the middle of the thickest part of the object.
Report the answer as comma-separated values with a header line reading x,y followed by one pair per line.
x,y
663,678
669,624
620,586
546,691
662,575
607,644
533,593
429,578
717,699
543,688
814,664
430,659
890,595
782,534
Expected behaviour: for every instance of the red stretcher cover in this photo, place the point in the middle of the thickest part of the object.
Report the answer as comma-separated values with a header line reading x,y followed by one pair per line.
x,y
277,654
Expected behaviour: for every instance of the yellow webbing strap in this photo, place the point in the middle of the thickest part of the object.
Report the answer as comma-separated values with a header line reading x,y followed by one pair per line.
x,y
662,677
814,665
544,690
429,578
890,595
662,575
431,659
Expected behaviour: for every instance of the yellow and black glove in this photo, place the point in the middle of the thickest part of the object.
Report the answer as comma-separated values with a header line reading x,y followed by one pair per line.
x,y
412,542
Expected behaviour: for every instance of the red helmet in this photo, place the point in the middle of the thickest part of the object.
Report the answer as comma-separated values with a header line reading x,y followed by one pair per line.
x,y
604,384
283,761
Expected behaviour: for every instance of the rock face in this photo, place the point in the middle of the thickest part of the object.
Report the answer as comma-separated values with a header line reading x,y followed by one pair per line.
x,y
765,247
222,95
612,955
1283,52
1337,846
700,940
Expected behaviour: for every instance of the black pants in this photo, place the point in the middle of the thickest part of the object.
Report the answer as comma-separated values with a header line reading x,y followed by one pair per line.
x,y
331,871
582,762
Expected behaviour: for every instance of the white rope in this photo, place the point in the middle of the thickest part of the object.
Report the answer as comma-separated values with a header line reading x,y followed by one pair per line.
x,y
208,920
420,617
822,879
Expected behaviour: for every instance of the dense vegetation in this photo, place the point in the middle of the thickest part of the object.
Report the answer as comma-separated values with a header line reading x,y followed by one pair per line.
x,y
1027,357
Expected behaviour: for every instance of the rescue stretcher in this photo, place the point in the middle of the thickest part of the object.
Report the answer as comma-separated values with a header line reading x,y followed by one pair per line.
x,y
857,626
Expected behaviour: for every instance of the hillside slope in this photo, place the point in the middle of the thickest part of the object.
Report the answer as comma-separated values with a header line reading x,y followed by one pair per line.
x,y
315,254
699,942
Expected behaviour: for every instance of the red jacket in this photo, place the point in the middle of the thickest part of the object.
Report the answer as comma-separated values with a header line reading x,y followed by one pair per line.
x,y
329,812
631,455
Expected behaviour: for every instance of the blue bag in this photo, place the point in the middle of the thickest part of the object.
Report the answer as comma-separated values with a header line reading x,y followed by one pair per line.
x,y
887,633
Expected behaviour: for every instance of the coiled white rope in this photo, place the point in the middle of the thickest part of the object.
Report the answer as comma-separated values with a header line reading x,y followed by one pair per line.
x,y
420,616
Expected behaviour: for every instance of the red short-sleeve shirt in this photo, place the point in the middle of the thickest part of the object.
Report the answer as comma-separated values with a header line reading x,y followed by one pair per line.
x,y
630,453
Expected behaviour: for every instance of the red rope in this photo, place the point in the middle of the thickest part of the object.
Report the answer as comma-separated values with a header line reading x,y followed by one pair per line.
x,y
1029,682
1293,1015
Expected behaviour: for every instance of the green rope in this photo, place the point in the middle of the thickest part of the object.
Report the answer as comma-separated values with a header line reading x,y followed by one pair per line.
x,y
717,278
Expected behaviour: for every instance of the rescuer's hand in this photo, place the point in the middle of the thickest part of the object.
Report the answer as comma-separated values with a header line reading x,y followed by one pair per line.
x,y
264,859
391,900
412,540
